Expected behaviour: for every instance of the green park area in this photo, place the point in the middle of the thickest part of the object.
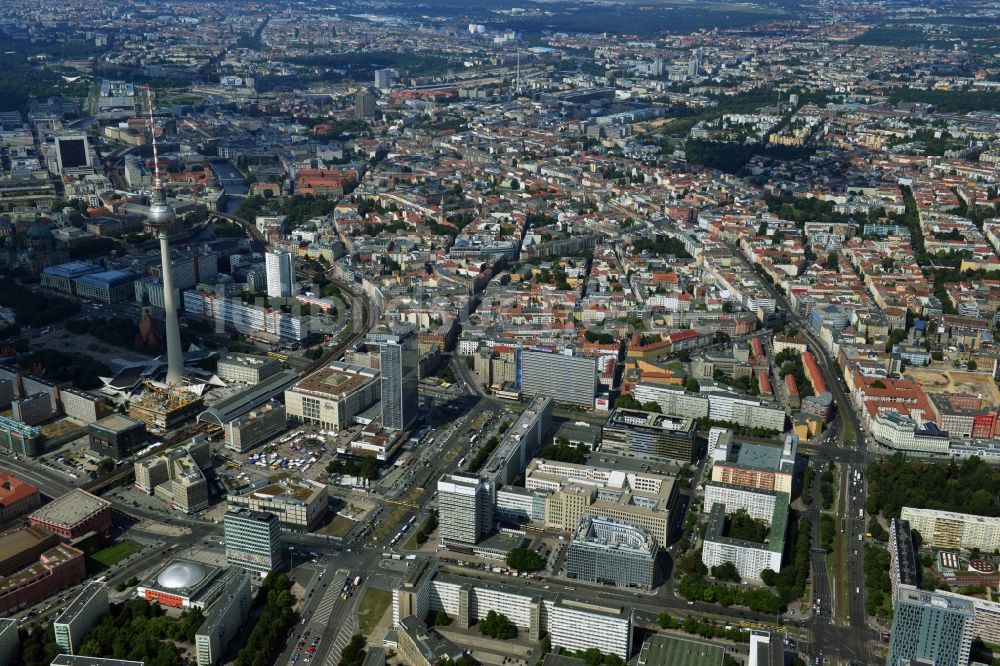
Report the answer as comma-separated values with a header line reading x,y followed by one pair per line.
x,y
106,557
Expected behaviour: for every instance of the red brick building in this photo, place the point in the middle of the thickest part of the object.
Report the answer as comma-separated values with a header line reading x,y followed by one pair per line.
x,y
73,515
57,568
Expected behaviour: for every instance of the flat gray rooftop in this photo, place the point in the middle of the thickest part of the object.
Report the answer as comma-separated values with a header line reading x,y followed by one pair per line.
x,y
73,507
759,456
90,590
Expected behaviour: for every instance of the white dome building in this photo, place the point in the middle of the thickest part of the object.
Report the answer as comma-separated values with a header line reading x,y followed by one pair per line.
x,y
181,583
179,575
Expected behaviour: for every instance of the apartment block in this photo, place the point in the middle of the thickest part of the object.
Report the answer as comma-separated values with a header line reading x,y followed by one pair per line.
x,y
225,618
673,400
760,504
419,647
949,529
80,616
82,406
744,411
750,558
520,443
904,569
755,465
573,624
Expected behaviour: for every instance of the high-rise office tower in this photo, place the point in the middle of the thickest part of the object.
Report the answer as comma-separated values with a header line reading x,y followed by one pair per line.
x,y
383,78
569,379
465,508
930,628
253,539
162,216
398,360
280,274
364,105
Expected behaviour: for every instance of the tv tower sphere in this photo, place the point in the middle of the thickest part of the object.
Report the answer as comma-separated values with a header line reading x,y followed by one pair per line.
x,y
161,214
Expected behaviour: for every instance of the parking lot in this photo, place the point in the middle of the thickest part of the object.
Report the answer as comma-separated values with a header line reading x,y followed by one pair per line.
x,y
304,451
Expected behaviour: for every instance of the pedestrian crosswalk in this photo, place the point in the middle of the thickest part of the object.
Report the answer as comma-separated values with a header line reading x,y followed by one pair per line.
x,y
321,616
348,629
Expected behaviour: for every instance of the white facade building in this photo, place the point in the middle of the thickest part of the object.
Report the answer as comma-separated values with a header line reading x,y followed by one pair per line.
x,y
760,505
280,274
573,624
948,529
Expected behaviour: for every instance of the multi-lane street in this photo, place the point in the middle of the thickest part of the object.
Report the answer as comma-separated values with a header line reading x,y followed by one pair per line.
x,y
841,628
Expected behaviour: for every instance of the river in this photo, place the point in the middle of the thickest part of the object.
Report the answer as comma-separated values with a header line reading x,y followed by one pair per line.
x,y
231,180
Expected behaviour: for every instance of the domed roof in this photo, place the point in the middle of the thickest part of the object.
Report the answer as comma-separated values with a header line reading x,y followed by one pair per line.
x,y
180,575
39,231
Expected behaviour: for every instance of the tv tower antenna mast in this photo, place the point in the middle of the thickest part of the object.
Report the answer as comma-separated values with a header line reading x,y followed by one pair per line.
x,y
162,216
517,78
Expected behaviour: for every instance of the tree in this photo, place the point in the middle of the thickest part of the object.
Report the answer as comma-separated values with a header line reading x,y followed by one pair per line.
x,y
827,532
38,648
427,527
740,525
627,402
691,564
692,385
562,451
726,571
969,487
354,653
972,366
275,619
831,263
768,577
524,559
496,625
441,619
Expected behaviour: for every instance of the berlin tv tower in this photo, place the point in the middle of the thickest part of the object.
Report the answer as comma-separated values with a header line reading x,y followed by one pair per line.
x,y
162,216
